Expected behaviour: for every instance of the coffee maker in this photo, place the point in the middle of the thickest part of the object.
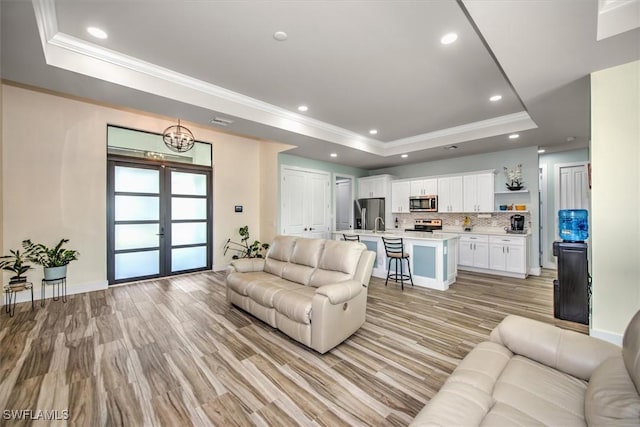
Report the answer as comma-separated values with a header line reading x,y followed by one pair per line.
x,y
517,223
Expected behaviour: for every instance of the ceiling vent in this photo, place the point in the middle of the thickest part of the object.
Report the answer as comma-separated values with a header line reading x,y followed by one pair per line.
x,y
221,121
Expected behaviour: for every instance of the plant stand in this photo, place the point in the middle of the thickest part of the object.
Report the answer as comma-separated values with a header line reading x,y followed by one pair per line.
x,y
10,295
60,283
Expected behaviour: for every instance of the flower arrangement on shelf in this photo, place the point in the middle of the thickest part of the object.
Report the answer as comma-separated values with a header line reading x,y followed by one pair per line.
x,y
514,178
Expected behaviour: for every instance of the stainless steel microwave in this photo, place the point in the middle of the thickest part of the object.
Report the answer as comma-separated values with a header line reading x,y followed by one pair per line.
x,y
423,204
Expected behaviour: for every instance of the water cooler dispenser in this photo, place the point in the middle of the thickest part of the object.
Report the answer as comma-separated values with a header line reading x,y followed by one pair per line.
x,y
571,290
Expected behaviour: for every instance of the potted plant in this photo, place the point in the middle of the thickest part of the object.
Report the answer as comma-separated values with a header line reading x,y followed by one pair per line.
x,y
244,249
514,178
54,260
16,264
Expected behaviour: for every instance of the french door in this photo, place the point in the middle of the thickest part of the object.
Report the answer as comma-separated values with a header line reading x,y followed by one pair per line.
x,y
159,220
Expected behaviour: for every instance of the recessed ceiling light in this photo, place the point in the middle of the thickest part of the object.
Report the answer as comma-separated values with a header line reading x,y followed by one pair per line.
x,y
404,156
334,154
542,150
449,38
373,131
571,138
97,33
495,98
514,136
280,36
451,147
303,108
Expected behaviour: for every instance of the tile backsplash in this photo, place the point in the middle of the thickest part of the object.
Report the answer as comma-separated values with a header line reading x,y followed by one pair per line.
x,y
497,219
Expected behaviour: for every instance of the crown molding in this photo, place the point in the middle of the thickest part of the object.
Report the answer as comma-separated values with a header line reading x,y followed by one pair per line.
x,y
77,55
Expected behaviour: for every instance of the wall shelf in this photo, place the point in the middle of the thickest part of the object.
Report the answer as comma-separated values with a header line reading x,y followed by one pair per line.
x,y
511,192
512,211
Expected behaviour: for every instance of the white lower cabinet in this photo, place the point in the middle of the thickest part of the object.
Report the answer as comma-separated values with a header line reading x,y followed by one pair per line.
x,y
508,254
504,255
473,251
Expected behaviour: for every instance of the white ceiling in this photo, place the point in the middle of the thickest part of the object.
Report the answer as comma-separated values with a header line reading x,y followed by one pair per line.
x,y
358,65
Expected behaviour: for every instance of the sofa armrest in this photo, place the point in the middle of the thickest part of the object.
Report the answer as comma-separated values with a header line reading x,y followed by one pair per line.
x,y
568,351
341,292
246,265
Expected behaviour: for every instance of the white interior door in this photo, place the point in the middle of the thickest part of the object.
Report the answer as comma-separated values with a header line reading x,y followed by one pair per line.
x,y
305,203
318,214
343,204
572,188
292,191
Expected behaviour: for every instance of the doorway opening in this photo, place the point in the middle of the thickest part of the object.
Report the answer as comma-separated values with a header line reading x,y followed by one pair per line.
x,y
343,196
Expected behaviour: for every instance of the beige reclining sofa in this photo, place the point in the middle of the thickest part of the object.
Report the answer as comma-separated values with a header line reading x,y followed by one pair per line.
x,y
533,374
313,290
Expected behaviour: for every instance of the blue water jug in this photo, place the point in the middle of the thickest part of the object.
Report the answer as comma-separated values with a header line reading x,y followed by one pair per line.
x,y
574,224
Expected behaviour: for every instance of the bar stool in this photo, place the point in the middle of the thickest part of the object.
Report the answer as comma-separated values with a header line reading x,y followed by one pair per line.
x,y
351,237
394,248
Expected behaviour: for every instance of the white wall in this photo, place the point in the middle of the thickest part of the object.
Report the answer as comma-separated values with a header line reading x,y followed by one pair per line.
x,y
54,176
615,198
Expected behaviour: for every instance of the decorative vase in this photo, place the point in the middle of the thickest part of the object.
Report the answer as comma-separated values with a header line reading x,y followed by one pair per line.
x,y
514,187
55,273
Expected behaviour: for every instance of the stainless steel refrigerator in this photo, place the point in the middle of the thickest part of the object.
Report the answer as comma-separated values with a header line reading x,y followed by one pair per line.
x,y
366,211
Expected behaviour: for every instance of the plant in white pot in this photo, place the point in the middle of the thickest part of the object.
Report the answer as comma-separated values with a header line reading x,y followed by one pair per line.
x,y
54,260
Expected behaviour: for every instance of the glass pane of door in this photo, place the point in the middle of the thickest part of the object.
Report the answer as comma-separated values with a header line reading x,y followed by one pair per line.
x,y
137,264
135,222
189,225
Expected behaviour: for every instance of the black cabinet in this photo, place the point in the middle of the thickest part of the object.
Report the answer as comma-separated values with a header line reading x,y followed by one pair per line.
x,y
571,290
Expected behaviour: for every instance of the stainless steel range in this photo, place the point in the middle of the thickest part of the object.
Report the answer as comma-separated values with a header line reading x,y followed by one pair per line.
x,y
426,225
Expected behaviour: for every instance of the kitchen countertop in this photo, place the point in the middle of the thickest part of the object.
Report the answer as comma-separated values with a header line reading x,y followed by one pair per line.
x,y
414,235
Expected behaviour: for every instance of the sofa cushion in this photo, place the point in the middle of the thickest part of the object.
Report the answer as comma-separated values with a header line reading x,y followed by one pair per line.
x,y
295,304
341,256
482,367
456,404
326,277
307,252
611,397
502,415
338,262
541,392
631,349
263,292
279,254
241,282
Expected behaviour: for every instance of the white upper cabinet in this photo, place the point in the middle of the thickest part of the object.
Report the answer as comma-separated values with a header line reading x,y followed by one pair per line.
x,y
478,192
400,196
424,187
450,196
374,186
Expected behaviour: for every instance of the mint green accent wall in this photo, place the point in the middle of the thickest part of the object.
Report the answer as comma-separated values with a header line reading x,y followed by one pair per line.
x,y
527,156
550,160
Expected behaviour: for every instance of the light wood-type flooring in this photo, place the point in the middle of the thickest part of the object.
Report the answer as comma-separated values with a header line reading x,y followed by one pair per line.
x,y
172,352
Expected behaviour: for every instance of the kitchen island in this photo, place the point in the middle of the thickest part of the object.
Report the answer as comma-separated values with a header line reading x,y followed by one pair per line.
x,y
433,258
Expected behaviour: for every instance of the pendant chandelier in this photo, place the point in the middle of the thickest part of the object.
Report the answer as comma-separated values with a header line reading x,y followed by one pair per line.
x,y
178,138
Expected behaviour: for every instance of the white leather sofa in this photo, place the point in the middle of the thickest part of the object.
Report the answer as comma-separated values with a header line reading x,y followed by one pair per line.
x,y
313,290
533,374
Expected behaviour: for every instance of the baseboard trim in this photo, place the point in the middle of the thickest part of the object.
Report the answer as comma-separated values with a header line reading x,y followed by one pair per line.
x,y
606,336
71,290
535,271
